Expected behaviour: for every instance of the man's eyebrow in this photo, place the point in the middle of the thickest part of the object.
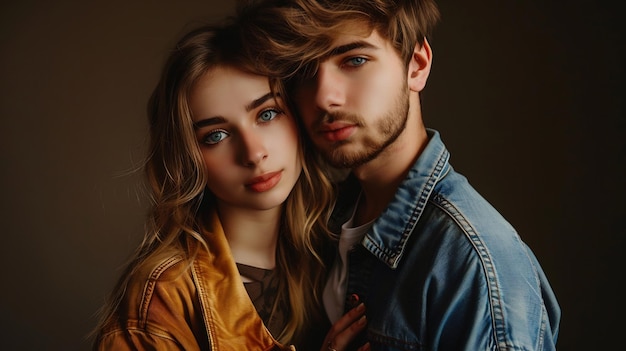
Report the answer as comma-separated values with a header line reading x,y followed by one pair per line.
x,y
342,49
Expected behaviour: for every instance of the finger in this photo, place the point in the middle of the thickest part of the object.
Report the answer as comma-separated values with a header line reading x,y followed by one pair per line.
x,y
347,319
343,338
365,347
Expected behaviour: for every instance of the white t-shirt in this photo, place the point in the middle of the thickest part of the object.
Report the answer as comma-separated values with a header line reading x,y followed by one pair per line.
x,y
336,286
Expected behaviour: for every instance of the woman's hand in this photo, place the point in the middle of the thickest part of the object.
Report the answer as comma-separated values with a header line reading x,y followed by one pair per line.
x,y
345,329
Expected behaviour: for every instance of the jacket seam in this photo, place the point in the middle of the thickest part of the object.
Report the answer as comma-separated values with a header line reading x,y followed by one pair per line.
x,y
420,205
148,290
147,330
489,269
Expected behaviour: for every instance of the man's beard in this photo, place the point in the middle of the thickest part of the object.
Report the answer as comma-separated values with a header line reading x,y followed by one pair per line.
x,y
390,126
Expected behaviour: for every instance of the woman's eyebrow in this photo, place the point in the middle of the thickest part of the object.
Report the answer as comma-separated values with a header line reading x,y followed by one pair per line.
x,y
258,102
219,119
209,121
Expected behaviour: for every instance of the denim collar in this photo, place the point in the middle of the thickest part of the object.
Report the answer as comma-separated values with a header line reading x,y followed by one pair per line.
x,y
387,238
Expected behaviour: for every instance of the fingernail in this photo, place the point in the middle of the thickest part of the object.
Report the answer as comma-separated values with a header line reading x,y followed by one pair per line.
x,y
360,307
362,320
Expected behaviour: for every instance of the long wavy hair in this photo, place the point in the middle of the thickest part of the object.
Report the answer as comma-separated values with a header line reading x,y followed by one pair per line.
x,y
176,180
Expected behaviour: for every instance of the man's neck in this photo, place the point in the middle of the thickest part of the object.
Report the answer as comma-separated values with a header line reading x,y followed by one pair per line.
x,y
381,177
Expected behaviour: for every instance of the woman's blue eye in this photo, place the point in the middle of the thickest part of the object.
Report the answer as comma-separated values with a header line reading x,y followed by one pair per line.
x,y
357,61
215,137
268,115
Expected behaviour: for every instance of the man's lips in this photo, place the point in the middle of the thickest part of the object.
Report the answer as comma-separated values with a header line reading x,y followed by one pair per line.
x,y
337,131
264,182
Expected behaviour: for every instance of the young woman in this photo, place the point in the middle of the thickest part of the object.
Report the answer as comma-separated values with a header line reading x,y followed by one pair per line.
x,y
232,255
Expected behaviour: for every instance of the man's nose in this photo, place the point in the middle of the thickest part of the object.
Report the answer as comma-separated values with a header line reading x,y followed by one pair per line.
x,y
329,89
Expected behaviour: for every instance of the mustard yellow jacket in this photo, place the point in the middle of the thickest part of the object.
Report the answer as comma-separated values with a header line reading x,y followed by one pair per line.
x,y
177,306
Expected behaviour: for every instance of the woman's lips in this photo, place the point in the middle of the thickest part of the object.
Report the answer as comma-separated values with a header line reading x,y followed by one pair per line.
x,y
264,182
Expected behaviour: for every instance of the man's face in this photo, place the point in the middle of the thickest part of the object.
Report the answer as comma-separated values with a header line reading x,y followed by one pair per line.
x,y
357,103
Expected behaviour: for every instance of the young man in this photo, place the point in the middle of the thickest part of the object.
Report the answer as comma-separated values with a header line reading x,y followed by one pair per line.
x,y
437,267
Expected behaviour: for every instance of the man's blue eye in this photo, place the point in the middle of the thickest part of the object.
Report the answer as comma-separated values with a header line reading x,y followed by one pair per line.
x,y
357,61
268,115
215,137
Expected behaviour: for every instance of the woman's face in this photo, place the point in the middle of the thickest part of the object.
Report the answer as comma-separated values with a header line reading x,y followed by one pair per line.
x,y
248,140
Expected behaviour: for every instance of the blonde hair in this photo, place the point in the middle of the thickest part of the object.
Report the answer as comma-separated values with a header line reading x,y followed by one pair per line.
x,y
176,178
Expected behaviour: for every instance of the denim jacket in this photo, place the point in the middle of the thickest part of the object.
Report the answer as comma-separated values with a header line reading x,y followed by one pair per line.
x,y
441,269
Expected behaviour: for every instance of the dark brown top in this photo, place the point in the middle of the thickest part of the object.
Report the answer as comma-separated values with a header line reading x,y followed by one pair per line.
x,y
263,290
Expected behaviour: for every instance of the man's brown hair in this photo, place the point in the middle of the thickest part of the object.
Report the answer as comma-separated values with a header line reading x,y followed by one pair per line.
x,y
289,37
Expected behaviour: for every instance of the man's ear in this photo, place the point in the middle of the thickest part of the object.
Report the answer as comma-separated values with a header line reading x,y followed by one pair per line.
x,y
419,66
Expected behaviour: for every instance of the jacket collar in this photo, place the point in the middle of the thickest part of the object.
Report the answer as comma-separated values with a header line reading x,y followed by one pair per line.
x,y
229,312
388,236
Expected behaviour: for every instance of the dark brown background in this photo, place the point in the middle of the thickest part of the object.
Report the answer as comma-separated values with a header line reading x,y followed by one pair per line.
x,y
528,97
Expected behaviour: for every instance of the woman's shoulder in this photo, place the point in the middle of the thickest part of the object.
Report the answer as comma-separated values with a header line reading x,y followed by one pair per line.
x,y
158,292
160,268
158,273
155,282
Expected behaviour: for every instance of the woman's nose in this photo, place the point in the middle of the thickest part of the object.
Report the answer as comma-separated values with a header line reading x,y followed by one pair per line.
x,y
253,149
